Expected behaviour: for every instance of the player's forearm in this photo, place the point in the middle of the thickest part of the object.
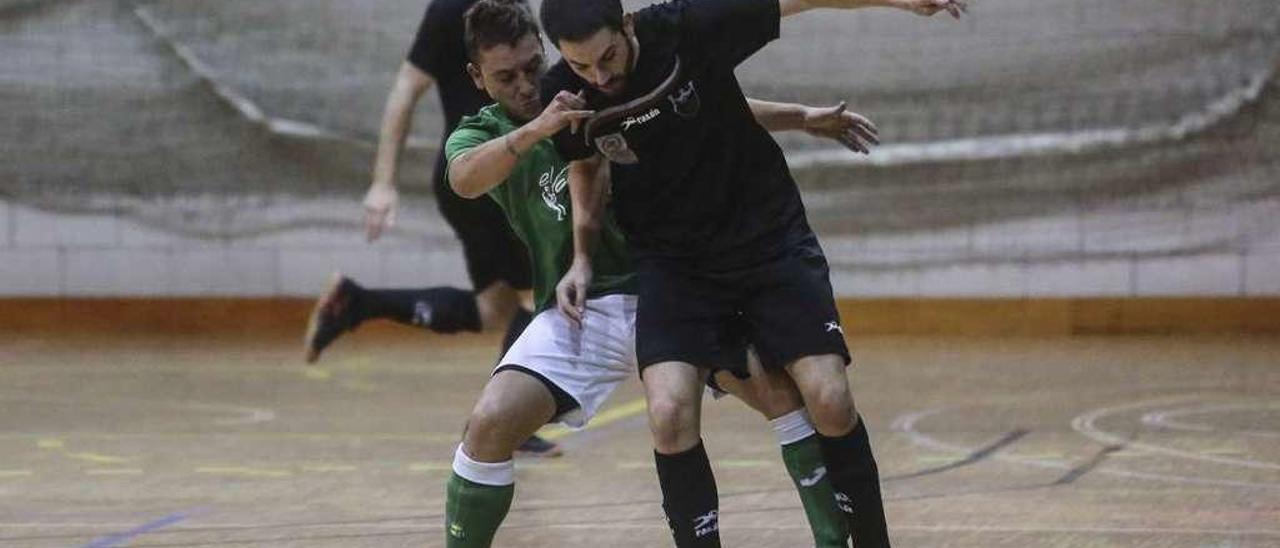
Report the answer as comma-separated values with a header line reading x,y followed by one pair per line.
x,y
586,194
484,167
778,116
397,120
793,7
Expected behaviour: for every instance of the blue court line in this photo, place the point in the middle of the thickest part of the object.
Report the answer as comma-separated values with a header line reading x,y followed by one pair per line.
x,y
120,538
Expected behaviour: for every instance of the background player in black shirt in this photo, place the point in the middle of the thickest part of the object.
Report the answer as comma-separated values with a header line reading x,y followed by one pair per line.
x,y
497,261
716,226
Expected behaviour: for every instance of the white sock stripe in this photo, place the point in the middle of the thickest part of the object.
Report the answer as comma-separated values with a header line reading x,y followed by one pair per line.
x,y
497,474
792,427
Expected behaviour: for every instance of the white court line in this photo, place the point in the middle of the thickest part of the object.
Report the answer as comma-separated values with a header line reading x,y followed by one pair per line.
x,y
1164,418
245,415
906,424
1085,425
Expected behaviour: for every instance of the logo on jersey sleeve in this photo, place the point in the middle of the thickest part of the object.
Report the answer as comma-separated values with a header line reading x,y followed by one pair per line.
x,y
834,326
706,524
553,185
614,147
685,101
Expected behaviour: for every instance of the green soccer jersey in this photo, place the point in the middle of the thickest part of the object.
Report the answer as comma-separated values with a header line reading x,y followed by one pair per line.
x,y
535,198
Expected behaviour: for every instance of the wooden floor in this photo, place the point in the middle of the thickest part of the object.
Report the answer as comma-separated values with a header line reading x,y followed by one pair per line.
x,y
982,442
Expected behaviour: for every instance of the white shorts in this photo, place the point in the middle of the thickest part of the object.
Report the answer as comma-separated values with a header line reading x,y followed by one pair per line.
x,y
588,363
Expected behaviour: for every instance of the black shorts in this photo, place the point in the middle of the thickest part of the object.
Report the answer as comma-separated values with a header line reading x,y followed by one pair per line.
x,y
785,309
493,252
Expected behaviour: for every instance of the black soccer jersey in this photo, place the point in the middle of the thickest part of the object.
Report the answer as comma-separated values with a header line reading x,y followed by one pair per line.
x,y
439,50
695,178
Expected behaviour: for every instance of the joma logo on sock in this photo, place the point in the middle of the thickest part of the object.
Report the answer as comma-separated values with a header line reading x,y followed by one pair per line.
x,y
706,524
818,473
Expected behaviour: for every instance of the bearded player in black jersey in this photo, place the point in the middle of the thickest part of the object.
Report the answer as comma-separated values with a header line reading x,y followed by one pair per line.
x,y
716,228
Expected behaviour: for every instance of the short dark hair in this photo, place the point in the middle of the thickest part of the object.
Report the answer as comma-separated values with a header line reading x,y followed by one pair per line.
x,y
577,20
490,23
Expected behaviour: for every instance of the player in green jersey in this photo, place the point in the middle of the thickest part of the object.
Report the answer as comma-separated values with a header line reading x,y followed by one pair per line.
x,y
558,370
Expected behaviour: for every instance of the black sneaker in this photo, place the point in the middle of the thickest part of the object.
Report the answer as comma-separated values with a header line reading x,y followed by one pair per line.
x,y
332,316
538,447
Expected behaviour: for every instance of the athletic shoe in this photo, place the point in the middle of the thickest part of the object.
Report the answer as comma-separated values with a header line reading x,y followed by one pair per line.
x,y
538,447
331,316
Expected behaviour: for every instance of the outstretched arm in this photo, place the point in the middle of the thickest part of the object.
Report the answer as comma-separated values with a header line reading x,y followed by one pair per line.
x,y
854,131
397,117
478,170
921,7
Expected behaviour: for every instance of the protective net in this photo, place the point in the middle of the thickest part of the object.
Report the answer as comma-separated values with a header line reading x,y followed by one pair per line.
x,y
1151,125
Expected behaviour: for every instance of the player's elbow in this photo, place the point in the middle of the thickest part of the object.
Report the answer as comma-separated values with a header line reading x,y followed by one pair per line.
x,y
464,190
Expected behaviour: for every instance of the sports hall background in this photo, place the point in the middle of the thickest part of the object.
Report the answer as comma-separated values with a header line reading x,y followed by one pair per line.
x,y
1057,148
178,178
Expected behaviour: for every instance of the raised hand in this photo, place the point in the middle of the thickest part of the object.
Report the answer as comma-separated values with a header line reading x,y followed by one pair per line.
x,y
854,131
928,8
380,205
566,109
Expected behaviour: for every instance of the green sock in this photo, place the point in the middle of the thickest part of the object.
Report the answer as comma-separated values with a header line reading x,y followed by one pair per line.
x,y
808,471
474,511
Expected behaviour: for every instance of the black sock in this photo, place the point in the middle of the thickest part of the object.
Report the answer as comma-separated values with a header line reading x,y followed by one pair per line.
x,y
440,309
689,497
515,328
857,485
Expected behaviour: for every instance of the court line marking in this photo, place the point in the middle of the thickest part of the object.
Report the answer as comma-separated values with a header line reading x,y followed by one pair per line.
x,y
317,436
243,471
114,472
245,415
1163,418
116,539
1085,424
659,525
604,418
59,446
941,528
906,424
973,457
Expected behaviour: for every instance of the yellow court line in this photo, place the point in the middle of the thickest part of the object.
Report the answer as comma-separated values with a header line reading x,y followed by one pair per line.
x,y
243,471
114,472
98,459
326,468
608,416
317,374
15,473
60,446
315,436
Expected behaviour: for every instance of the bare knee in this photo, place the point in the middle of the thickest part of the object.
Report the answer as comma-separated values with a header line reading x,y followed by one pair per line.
x,y
831,409
674,423
489,437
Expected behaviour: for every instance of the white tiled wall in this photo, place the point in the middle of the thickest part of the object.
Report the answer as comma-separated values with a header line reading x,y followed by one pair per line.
x,y
48,254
